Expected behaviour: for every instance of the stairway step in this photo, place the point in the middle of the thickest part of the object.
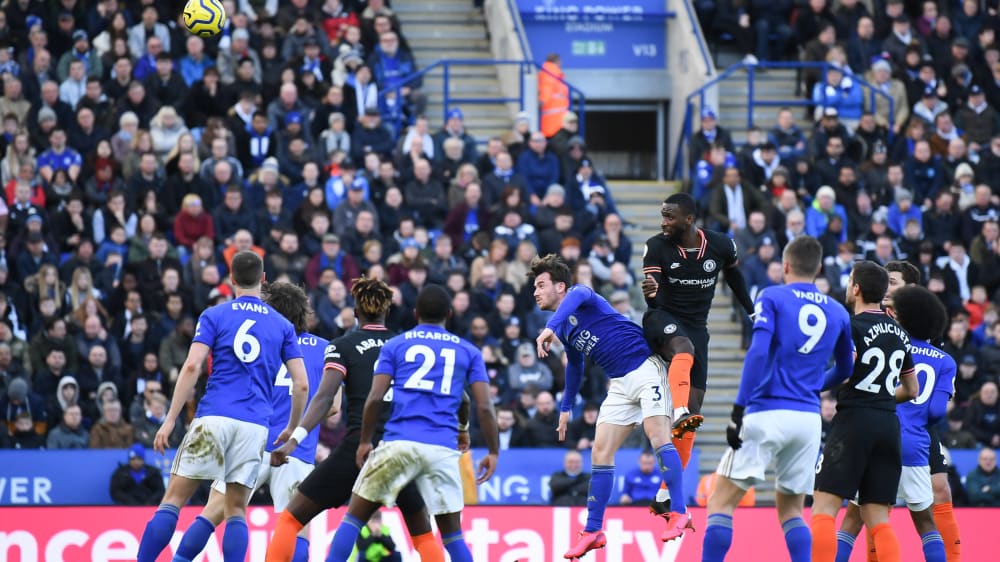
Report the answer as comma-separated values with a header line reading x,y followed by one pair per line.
x,y
417,35
403,8
456,43
419,16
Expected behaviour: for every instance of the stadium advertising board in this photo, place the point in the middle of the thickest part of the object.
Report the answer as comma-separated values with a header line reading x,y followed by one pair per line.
x,y
494,534
41,477
597,33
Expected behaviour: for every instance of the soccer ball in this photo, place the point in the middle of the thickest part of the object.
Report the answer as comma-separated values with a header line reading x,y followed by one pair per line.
x,y
204,17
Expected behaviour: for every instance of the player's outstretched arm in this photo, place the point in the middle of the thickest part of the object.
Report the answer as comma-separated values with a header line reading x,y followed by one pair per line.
x,y
736,281
300,395
186,380
319,408
370,416
488,425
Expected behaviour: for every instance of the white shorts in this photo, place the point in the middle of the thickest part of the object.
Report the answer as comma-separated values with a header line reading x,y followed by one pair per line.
x,y
788,437
221,448
641,394
394,464
915,487
283,480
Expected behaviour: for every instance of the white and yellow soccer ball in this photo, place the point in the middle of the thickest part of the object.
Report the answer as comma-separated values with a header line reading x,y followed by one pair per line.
x,y
204,18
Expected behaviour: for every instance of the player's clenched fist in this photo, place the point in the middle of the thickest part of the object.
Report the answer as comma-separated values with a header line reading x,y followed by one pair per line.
x,y
649,287
363,450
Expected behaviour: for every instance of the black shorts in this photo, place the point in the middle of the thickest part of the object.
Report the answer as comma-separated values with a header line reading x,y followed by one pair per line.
x,y
659,327
939,465
863,455
331,482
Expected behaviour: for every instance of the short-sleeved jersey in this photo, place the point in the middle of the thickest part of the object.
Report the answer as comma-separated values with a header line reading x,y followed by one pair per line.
x,y
249,341
429,367
354,354
60,160
883,356
687,276
935,372
588,325
281,397
804,327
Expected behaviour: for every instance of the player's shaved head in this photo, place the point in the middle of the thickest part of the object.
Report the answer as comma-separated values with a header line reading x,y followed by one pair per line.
x,y
433,304
555,266
684,202
872,279
247,269
291,302
804,256
908,271
920,312
372,298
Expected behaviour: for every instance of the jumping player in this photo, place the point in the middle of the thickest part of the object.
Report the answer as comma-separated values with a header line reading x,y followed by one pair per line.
x,y
349,359
590,327
862,454
249,341
428,367
681,269
923,316
776,414
291,302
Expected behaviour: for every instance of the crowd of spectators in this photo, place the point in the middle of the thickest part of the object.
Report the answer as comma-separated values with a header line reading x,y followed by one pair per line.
x,y
136,159
901,162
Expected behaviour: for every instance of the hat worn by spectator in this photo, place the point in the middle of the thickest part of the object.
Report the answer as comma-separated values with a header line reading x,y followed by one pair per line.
x,y
409,243
929,92
270,164
35,217
780,171
964,169
372,111
293,117
975,90
357,185
522,116
826,191
555,189
969,359
881,216
513,321
879,148
330,238
594,190
241,33
903,195
901,18
46,114
570,117
455,113
353,56
136,451
767,241
708,113
80,35
830,112
17,389
962,42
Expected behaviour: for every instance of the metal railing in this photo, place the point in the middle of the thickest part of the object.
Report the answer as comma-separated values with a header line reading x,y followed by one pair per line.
x,y
446,66
681,169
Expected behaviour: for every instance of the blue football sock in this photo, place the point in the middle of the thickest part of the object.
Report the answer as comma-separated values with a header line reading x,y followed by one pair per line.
x,y
235,539
158,532
194,540
845,544
718,537
602,479
673,476
301,550
456,547
798,539
933,547
344,539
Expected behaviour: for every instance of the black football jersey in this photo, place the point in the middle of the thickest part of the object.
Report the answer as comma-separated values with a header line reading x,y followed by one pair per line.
x,y
883,356
687,276
354,354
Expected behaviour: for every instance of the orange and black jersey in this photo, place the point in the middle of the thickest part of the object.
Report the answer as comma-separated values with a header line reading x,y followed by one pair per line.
x,y
355,354
883,356
688,276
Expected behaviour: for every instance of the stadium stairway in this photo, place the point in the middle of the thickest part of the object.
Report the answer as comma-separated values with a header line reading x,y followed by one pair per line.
x,y
774,85
454,29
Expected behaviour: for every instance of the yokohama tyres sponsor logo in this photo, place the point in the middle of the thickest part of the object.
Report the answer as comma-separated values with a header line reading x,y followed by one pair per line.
x,y
494,534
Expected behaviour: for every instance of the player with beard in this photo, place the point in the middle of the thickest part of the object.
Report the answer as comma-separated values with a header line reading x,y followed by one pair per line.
x,y
681,269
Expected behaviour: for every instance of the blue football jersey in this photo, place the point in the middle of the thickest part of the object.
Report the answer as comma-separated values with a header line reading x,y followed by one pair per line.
x,y
588,325
312,348
249,342
429,367
935,372
801,329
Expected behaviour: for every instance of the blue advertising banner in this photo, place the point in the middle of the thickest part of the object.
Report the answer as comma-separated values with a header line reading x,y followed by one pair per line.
x,y
75,477
597,33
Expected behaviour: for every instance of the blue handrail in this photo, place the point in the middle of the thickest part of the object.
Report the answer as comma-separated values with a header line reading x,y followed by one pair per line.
x,y
696,28
445,65
515,15
688,130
